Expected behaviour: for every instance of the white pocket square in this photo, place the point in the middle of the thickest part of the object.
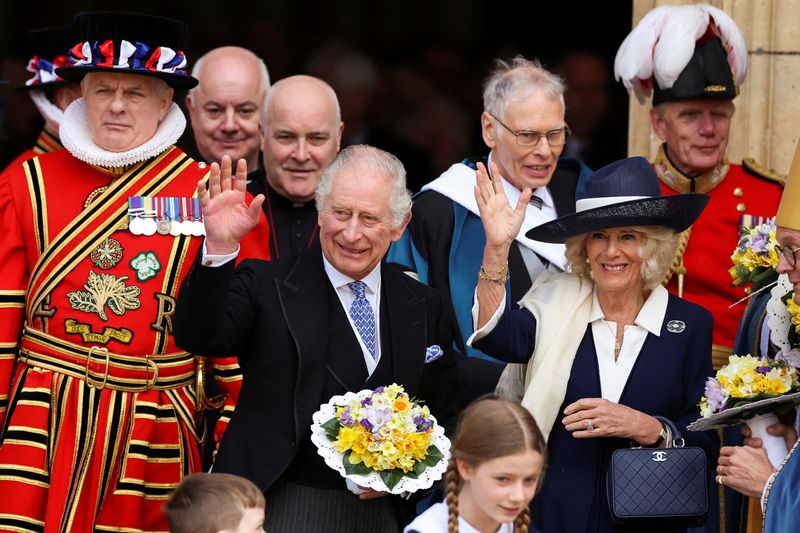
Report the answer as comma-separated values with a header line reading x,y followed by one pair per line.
x,y
432,353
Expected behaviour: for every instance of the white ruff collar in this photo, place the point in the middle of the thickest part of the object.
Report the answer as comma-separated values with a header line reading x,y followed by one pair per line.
x,y
77,139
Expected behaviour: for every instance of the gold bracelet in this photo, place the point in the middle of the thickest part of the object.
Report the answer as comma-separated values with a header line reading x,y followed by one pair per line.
x,y
500,277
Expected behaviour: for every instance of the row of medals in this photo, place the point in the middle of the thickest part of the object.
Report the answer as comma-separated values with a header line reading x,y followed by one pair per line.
x,y
150,225
148,216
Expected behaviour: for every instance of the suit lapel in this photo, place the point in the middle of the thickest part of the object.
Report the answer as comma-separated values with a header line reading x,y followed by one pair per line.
x,y
407,325
304,303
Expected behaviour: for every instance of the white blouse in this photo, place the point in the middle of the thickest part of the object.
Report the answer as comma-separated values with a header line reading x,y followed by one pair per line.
x,y
614,374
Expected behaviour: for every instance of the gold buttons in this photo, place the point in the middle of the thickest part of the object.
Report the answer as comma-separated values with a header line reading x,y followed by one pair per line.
x,y
741,208
738,192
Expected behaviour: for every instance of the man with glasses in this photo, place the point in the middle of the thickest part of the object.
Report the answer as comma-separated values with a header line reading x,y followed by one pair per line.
x,y
523,126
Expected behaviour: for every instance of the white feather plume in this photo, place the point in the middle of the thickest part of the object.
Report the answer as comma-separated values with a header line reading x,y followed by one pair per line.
x,y
663,42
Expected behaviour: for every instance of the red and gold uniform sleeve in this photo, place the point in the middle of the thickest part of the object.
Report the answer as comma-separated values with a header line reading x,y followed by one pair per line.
x,y
13,281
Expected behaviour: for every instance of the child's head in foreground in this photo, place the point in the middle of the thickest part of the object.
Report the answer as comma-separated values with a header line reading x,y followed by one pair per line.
x,y
215,503
497,462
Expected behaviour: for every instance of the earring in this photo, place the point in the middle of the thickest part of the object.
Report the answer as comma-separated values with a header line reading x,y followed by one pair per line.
x,y
587,260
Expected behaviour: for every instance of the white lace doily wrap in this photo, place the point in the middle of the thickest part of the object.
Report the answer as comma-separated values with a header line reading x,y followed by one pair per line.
x,y
77,138
779,319
334,459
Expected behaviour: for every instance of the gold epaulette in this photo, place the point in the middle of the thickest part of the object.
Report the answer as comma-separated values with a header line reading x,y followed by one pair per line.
x,y
754,168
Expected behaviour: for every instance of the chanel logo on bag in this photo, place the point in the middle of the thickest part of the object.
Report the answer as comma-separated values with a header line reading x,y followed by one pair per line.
x,y
659,457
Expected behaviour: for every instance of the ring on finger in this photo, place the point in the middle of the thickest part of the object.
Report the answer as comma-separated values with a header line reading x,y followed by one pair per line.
x,y
590,425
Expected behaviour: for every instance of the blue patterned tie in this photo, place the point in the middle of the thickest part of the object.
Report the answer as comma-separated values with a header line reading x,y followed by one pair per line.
x,y
362,316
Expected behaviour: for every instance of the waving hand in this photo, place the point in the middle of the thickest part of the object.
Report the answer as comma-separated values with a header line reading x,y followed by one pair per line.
x,y
226,215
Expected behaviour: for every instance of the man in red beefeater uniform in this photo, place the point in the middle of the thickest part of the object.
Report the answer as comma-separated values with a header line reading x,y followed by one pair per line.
x,y
97,404
694,84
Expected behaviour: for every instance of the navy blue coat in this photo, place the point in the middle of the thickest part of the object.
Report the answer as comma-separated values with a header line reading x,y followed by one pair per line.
x,y
667,379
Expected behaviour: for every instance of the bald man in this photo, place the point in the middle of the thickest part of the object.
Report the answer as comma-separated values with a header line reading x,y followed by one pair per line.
x,y
302,133
226,107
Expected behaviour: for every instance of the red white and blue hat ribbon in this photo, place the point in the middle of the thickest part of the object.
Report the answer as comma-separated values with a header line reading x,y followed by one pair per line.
x,y
44,70
133,56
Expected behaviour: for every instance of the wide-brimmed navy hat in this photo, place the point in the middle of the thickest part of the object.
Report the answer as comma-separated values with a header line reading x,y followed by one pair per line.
x,y
623,193
49,47
129,43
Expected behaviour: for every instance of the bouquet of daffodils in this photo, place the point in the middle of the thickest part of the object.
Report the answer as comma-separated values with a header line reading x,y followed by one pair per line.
x,y
755,257
745,380
752,390
381,439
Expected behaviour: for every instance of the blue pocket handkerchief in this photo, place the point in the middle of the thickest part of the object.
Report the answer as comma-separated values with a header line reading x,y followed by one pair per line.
x,y
432,353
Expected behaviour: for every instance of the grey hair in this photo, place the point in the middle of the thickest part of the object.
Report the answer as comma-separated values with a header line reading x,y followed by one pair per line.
x,y
656,253
331,93
518,79
378,163
197,70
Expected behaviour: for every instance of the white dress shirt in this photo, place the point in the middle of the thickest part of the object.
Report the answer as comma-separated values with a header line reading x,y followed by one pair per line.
x,y
614,374
346,296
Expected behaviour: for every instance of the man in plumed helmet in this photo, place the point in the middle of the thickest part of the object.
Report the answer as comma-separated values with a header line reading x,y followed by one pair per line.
x,y
50,93
692,58
97,404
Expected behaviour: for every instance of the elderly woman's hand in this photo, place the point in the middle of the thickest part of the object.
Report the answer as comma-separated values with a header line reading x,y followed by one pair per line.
x,y
501,222
744,469
597,417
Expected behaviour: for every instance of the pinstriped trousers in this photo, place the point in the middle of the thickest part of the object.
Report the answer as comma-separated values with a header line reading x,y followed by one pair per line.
x,y
295,508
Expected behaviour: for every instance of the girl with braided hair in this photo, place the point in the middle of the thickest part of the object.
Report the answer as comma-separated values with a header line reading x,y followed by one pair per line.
x,y
497,461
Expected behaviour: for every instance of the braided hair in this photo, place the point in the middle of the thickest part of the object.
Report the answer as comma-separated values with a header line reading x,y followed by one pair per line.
x,y
491,428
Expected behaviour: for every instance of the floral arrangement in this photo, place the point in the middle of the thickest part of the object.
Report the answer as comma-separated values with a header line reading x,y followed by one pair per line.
x,y
794,313
755,257
384,431
747,379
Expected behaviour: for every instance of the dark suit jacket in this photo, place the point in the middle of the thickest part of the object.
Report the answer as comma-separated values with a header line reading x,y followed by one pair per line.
x,y
276,316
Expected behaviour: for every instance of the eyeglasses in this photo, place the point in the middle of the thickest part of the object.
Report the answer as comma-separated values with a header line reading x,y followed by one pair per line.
x,y
528,138
789,254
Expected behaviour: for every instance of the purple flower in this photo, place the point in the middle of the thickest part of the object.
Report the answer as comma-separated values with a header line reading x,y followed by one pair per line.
x,y
366,424
759,242
379,389
346,418
715,395
377,418
791,359
422,424
763,367
366,401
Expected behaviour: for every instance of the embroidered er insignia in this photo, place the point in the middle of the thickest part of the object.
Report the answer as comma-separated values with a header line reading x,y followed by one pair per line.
x,y
105,290
146,266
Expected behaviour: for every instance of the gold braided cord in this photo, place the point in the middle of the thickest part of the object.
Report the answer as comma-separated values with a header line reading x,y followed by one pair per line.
x,y
677,268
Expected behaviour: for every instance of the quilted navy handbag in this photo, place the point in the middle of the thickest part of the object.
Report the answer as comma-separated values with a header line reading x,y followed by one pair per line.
x,y
659,485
